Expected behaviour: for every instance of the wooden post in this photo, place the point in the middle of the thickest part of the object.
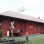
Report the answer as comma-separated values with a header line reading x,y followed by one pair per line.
x,y
12,27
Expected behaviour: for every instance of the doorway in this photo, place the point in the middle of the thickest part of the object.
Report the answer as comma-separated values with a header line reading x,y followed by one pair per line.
x,y
22,26
38,29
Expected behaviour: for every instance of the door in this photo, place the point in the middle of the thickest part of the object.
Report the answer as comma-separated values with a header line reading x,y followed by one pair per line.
x,y
22,27
38,29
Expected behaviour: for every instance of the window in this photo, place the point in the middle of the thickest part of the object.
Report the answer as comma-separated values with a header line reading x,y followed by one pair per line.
x,y
43,26
36,26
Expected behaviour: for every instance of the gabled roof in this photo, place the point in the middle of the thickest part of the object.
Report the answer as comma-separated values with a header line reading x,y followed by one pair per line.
x,y
21,16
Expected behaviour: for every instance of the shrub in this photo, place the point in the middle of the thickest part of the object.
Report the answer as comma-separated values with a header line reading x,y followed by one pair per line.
x,y
0,33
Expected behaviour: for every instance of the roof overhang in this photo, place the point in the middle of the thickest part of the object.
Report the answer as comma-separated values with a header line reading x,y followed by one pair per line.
x,y
21,16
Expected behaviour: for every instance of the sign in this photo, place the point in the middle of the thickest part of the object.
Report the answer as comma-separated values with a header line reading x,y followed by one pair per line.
x,y
0,23
31,26
7,33
12,25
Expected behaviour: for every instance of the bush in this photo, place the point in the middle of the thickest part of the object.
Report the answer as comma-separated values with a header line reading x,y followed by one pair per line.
x,y
0,33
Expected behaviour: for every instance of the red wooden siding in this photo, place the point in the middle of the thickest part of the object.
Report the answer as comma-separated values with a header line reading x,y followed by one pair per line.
x,y
31,30
6,26
39,29
20,25
16,26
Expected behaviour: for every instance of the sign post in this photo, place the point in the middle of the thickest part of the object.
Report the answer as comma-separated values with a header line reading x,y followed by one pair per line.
x,y
8,34
12,27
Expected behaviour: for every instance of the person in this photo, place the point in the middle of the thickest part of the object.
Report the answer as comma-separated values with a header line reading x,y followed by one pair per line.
x,y
18,31
27,33
27,36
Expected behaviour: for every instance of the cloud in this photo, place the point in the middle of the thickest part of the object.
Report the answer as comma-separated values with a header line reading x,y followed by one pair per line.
x,y
32,2
3,8
6,8
41,15
6,5
42,0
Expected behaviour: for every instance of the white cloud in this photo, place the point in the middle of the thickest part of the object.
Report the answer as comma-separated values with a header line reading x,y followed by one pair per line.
x,y
3,8
42,0
41,15
6,8
32,2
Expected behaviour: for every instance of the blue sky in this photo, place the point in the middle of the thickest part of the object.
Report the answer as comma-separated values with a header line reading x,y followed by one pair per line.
x,y
33,8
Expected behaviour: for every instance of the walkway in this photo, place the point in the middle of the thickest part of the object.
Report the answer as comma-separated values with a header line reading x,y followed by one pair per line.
x,y
24,36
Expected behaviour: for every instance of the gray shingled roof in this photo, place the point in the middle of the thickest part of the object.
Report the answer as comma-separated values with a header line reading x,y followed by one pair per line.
x,y
21,16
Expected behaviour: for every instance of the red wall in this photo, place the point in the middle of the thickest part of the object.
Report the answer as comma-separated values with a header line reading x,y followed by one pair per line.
x,y
39,29
22,27
31,30
16,25
6,27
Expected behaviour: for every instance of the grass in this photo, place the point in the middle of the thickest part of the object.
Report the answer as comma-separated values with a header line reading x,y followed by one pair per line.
x,y
36,40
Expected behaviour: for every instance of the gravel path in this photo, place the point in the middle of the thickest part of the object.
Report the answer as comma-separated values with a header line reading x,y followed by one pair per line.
x,y
24,37
30,36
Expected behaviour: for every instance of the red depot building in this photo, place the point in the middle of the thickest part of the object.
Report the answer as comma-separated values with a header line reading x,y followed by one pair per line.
x,y
23,22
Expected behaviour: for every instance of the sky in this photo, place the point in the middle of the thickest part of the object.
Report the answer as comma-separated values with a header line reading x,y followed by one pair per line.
x,y
33,8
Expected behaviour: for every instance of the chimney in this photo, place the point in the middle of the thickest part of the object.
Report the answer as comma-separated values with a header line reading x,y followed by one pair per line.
x,y
38,17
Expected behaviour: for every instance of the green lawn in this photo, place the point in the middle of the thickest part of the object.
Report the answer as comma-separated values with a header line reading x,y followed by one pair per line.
x,y
36,40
